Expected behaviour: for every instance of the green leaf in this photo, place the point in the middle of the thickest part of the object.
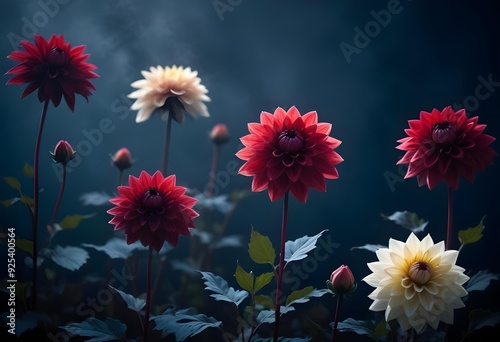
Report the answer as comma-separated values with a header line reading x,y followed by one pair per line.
x,y
299,294
261,249
266,301
382,329
13,182
8,202
25,245
263,280
72,221
27,200
28,170
472,234
244,279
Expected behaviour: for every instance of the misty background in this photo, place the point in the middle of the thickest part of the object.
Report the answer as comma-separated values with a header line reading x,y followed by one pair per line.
x,y
254,56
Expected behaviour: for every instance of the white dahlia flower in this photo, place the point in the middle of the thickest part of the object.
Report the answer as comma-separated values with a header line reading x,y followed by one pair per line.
x,y
175,90
417,283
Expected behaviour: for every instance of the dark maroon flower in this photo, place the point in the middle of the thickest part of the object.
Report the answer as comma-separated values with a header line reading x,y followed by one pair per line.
x,y
444,146
54,68
289,152
63,152
153,209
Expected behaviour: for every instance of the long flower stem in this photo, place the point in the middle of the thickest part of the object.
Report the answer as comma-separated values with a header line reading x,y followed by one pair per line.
x,y
215,159
59,198
336,320
35,199
279,279
148,294
450,219
167,145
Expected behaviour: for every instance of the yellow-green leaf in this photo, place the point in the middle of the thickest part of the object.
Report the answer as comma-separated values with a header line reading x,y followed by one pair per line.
x,y
25,245
263,280
28,170
381,329
8,202
72,221
299,294
472,234
27,200
244,279
266,301
13,182
261,249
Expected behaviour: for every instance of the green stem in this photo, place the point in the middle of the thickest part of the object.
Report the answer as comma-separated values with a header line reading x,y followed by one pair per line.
x,y
59,197
36,200
279,279
148,294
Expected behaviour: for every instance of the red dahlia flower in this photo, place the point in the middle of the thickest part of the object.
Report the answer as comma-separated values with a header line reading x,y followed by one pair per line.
x,y
54,68
287,151
445,145
153,209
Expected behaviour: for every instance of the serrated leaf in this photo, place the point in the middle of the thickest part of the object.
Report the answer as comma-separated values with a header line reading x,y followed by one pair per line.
x,y
72,221
303,296
408,220
244,279
27,200
117,248
298,249
8,202
184,325
71,258
483,318
25,245
261,249
471,235
266,301
369,247
136,304
480,281
268,316
28,170
13,182
109,330
222,290
263,280
358,327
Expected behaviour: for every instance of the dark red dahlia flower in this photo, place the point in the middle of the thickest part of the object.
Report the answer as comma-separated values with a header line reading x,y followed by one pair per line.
x,y
445,145
287,151
153,209
54,68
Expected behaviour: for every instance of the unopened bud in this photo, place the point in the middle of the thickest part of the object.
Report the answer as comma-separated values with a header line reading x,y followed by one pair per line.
x,y
122,159
63,152
220,134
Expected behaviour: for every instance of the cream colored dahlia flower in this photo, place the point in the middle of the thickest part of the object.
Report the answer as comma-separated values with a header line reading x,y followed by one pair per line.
x,y
417,282
175,90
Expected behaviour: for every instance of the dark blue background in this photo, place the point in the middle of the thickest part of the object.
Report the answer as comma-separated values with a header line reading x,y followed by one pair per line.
x,y
257,56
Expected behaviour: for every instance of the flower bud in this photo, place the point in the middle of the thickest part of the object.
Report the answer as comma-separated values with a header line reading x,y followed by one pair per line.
x,y
341,281
63,152
220,134
420,272
122,159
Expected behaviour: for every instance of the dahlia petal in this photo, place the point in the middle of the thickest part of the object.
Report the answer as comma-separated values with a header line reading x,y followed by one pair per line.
x,y
311,118
293,173
300,191
278,188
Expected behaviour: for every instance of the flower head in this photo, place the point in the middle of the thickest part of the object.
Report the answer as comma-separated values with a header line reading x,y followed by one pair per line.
x,y
63,152
417,283
54,68
220,134
176,90
341,281
444,146
122,159
287,151
153,209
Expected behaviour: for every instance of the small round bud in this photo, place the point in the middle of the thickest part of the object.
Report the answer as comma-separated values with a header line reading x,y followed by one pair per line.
x,y
220,134
122,159
63,152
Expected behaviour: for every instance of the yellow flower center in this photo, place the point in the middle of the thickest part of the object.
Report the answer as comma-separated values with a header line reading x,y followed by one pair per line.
x,y
420,272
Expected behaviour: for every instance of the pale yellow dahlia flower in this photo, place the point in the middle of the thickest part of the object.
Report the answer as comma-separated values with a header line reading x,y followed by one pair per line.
x,y
417,282
175,90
